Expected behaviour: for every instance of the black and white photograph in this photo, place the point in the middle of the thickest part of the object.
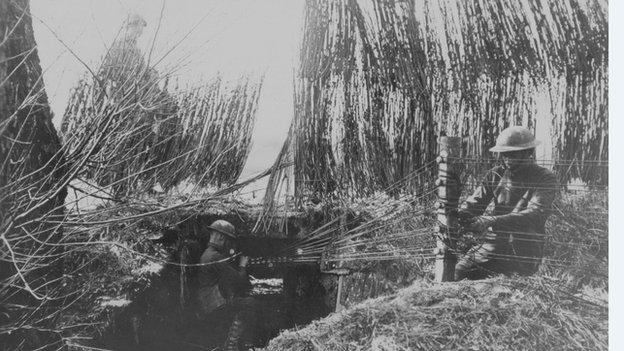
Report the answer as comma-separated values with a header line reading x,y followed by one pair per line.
x,y
308,175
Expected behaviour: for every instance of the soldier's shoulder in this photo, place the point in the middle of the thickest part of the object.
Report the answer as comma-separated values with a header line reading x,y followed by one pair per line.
x,y
211,255
545,174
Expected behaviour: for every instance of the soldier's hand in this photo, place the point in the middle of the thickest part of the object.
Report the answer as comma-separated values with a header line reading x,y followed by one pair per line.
x,y
463,215
464,218
479,224
243,261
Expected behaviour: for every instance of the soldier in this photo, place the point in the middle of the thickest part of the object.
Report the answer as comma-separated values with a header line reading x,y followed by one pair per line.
x,y
522,194
222,285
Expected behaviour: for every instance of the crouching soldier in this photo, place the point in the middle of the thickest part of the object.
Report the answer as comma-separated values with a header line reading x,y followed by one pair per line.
x,y
223,285
522,194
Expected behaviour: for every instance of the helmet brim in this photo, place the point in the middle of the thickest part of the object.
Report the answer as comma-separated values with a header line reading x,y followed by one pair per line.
x,y
230,235
505,148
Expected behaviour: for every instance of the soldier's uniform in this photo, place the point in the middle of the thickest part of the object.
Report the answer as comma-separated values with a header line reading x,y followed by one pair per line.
x,y
522,203
522,194
221,301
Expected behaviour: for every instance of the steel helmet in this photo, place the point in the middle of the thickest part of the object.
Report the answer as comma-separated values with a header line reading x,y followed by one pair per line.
x,y
136,20
514,139
224,227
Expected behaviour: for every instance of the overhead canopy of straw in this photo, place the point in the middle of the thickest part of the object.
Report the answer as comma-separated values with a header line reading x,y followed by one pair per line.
x,y
141,132
378,81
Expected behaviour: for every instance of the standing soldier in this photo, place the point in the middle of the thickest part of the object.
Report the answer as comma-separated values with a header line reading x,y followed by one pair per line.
x,y
223,284
522,194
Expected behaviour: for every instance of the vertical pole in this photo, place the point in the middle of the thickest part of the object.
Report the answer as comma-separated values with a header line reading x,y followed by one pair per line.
x,y
339,306
448,197
343,230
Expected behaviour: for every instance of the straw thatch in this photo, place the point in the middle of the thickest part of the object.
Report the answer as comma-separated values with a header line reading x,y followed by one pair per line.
x,y
379,80
143,133
496,314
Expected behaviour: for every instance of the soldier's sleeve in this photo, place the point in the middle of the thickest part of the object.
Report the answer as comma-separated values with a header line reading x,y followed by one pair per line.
x,y
209,273
538,208
232,280
477,203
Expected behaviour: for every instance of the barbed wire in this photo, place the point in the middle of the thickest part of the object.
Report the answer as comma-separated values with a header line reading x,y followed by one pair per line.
x,y
536,160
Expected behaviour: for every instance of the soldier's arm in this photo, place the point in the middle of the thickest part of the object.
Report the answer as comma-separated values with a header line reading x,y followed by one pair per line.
x,y
233,279
477,203
538,208
227,271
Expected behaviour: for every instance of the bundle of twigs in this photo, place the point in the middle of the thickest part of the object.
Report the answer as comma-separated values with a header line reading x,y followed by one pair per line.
x,y
122,133
144,133
362,109
33,175
217,121
538,63
379,80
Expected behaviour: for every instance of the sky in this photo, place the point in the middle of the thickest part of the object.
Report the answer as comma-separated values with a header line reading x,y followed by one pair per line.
x,y
196,37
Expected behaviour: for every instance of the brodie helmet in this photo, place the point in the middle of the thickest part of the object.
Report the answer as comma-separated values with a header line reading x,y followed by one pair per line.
x,y
514,139
222,234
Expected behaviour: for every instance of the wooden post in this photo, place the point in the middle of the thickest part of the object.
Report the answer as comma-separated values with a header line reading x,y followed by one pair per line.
x,y
339,306
448,197
343,230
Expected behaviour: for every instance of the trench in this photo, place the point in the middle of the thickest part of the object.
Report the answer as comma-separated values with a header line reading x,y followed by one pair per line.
x,y
164,317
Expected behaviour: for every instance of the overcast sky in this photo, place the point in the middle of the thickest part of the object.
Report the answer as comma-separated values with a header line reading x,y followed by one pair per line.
x,y
229,36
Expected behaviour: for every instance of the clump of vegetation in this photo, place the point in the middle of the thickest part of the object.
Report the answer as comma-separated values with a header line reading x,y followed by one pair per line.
x,y
494,314
135,131
563,306
378,81
578,238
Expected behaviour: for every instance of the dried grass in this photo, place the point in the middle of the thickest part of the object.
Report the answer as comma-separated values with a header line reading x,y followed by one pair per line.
x,y
494,314
563,307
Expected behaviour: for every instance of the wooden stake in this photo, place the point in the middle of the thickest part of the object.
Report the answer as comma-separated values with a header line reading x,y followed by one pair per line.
x,y
448,197
343,229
